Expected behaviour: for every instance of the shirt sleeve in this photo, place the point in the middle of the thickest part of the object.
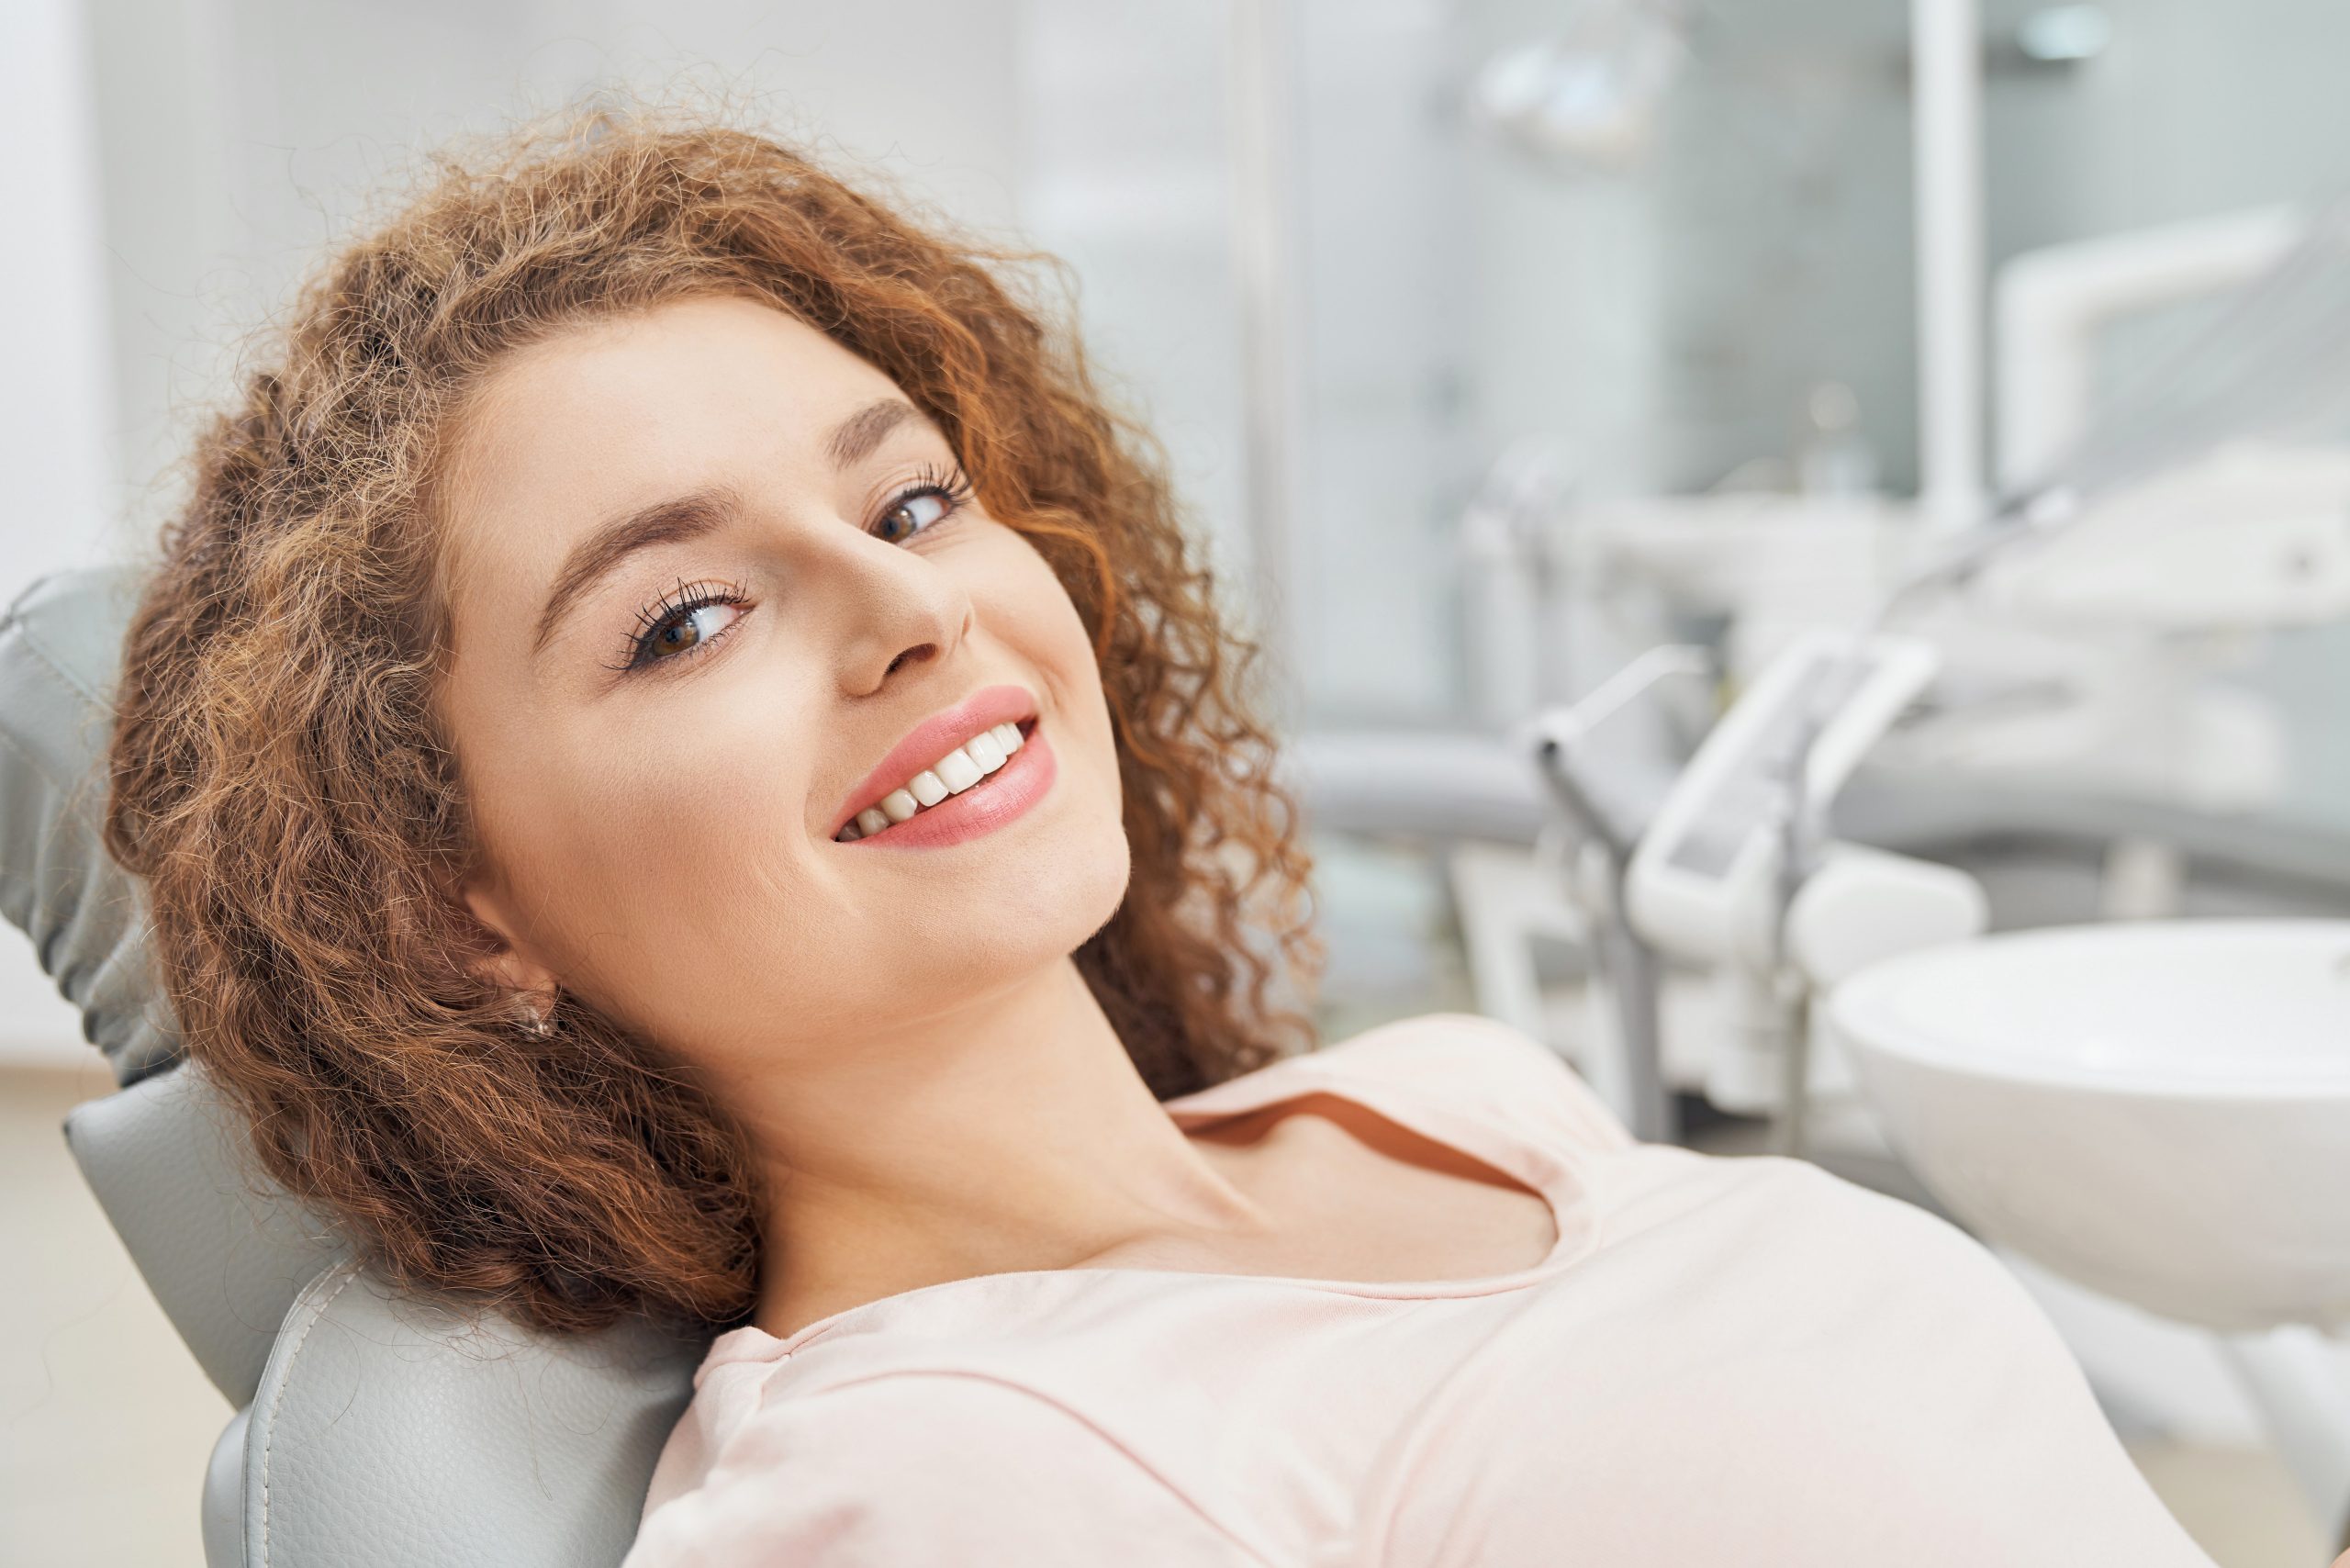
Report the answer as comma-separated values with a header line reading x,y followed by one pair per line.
x,y
930,1467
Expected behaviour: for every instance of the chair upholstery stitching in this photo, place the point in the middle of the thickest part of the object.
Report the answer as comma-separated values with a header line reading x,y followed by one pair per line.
x,y
91,696
269,1441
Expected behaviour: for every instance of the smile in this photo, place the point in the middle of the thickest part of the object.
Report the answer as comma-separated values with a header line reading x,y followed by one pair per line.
x,y
991,779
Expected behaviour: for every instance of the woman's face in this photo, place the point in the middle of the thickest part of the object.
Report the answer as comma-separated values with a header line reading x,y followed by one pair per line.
x,y
707,569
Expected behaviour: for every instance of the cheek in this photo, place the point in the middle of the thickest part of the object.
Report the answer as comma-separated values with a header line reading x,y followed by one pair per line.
x,y
1087,866
649,843
1032,611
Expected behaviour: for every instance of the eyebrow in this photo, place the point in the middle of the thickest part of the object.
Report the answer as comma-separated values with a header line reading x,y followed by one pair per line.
x,y
672,521
857,436
684,518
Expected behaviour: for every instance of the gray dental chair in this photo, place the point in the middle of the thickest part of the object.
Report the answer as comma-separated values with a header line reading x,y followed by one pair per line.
x,y
371,1427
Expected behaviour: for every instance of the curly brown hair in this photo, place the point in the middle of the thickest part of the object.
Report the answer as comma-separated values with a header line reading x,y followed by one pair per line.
x,y
281,779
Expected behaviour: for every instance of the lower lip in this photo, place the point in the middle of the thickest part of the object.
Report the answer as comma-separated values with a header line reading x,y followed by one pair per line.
x,y
1001,797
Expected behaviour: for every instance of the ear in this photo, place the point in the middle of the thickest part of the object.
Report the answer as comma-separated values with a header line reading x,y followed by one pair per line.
x,y
507,963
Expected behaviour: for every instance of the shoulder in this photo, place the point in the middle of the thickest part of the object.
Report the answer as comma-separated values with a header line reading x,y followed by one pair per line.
x,y
1489,1066
1783,1225
925,1465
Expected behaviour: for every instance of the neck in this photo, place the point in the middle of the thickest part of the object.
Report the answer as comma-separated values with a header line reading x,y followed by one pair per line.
x,y
1012,1134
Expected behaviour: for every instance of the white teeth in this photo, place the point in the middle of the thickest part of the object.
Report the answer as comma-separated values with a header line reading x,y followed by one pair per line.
x,y
950,775
958,770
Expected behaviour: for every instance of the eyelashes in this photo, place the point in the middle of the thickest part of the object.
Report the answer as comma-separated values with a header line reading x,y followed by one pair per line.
x,y
658,625
952,487
655,623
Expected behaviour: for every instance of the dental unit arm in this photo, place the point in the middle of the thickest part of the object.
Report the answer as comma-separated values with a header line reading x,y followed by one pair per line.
x,y
1624,1057
1735,871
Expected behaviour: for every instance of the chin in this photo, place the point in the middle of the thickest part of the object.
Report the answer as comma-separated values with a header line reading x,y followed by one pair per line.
x,y
1052,905
1080,892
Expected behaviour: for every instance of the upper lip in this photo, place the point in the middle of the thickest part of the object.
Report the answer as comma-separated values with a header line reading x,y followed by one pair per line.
x,y
933,738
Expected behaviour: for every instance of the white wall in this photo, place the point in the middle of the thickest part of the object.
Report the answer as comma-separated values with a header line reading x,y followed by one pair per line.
x,y
240,136
53,396
54,392
1125,172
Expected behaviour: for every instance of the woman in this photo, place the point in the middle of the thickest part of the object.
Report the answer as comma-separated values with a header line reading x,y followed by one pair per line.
x,y
683,767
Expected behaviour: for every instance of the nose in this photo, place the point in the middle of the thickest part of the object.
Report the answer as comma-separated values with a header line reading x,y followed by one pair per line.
x,y
902,611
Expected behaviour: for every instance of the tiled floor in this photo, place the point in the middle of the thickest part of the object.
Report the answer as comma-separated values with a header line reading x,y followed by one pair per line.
x,y
106,1424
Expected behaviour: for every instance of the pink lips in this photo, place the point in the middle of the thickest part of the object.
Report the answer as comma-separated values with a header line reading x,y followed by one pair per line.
x,y
933,738
1008,792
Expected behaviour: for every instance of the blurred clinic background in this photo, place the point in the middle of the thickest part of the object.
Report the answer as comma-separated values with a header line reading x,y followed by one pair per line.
x,y
1494,343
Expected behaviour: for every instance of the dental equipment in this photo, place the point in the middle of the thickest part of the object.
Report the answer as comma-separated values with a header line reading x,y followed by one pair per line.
x,y
1625,997
2052,305
2270,369
1719,874
2045,1083
1735,871
2155,1110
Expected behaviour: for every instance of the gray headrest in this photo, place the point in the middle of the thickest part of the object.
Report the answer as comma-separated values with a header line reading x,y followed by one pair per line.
x,y
389,1430
61,645
224,1250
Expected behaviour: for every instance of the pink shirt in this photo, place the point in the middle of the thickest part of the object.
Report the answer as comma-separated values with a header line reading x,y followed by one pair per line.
x,y
1723,1362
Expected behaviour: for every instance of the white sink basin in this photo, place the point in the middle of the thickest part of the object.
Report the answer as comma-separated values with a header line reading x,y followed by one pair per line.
x,y
2159,1110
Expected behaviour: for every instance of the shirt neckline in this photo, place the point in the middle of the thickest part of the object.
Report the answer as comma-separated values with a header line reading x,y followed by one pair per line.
x,y
1553,1177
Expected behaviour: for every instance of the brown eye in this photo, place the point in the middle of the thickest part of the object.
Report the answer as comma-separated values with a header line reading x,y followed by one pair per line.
x,y
915,511
683,631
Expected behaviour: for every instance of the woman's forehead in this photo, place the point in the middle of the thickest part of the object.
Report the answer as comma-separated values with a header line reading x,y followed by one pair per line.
x,y
617,411
697,363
